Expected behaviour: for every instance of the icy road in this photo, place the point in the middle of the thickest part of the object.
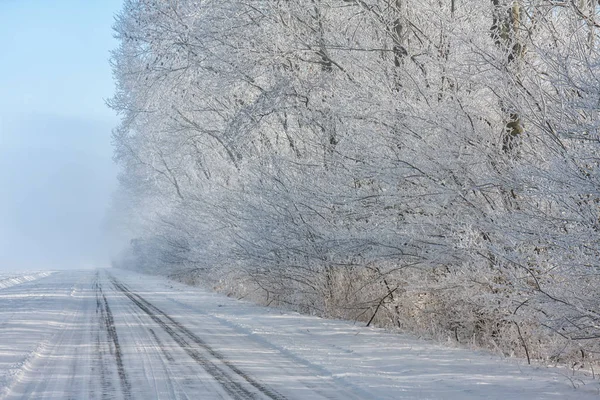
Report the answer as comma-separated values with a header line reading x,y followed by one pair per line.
x,y
111,334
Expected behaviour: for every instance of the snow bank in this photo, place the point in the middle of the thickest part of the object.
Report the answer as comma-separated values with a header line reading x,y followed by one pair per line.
x,y
7,281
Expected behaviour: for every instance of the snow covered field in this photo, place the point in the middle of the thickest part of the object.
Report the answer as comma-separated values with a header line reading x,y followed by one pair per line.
x,y
112,334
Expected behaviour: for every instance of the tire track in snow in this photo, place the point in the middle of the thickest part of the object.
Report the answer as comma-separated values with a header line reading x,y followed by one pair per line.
x,y
115,347
182,336
342,388
160,344
153,352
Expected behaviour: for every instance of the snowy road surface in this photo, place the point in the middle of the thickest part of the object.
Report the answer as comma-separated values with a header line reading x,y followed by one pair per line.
x,y
112,334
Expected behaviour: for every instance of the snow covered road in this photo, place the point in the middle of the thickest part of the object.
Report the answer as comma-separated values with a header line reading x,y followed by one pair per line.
x,y
112,334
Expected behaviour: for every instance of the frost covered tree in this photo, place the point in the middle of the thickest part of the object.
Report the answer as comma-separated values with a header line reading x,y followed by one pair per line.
x,y
427,164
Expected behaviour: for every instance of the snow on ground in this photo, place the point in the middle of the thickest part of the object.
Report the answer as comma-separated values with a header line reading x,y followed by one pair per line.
x,y
120,335
8,280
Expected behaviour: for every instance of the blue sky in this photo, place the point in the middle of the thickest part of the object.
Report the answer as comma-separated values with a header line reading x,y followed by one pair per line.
x,y
56,169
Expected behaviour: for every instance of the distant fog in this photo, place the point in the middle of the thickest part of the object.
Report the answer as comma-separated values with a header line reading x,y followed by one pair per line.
x,y
56,180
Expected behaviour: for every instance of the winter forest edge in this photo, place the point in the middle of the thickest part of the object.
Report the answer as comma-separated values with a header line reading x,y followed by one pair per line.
x,y
431,165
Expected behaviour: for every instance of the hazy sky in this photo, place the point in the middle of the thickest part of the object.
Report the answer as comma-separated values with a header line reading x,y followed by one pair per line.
x,y
56,170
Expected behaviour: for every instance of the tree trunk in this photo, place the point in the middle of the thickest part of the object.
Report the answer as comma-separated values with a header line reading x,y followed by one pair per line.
x,y
507,20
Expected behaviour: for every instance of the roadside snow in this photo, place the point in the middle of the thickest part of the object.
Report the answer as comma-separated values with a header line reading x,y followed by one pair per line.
x,y
8,280
377,364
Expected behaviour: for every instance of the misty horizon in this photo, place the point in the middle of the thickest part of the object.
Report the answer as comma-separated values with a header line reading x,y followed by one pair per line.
x,y
56,169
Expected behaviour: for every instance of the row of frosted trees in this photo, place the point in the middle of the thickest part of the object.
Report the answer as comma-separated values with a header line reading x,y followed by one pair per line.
x,y
427,164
